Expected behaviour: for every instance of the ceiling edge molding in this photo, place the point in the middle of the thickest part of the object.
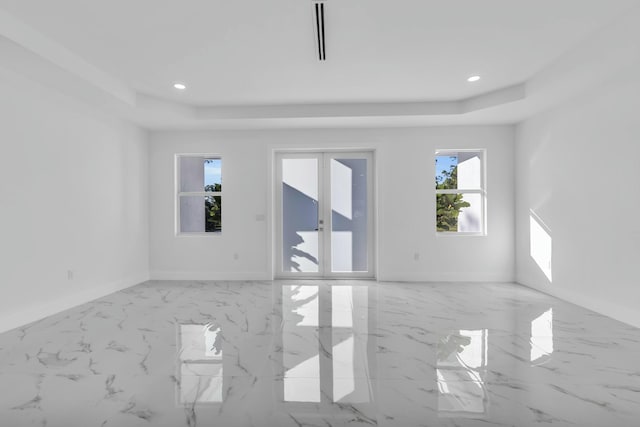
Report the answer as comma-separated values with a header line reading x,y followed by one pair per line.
x,y
495,98
344,110
56,54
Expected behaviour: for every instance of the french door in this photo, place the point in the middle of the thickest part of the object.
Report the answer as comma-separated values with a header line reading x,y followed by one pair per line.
x,y
324,214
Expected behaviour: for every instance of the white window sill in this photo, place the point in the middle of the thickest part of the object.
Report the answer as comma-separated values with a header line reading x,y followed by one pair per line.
x,y
459,234
200,234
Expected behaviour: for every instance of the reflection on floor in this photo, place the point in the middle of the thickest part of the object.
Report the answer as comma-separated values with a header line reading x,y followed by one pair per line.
x,y
316,353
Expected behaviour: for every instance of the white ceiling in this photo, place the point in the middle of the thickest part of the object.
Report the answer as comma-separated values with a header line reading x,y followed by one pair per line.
x,y
252,64
257,52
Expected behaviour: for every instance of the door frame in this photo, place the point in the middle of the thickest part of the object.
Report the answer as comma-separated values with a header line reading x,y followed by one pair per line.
x,y
324,157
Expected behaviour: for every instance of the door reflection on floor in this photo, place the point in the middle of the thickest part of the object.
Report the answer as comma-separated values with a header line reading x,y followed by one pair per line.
x,y
327,349
324,345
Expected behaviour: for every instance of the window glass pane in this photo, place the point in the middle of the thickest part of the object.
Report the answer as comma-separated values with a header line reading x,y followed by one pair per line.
x,y
212,175
191,173
446,172
213,213
200,174
200,214
469,171
459,212
470,218
458,170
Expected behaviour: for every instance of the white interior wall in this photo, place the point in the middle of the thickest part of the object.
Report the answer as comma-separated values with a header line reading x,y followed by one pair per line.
x,y
73,194
405,203
74,182
578,169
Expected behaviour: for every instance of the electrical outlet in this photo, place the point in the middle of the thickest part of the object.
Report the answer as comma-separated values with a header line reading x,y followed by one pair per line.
x,y
416,256
236,256
69,274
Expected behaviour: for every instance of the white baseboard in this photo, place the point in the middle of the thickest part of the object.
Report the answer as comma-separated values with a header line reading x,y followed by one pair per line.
x,y
446,277
209,275
25,315
399,277
612,310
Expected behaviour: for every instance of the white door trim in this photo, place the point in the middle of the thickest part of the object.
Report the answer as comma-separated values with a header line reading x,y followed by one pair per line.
x,y
324,158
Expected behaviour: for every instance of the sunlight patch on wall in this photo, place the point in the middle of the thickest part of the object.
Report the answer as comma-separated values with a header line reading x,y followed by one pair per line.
x,y
540,244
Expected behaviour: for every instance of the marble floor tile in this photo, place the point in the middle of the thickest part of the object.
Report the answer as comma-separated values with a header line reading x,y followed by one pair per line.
x,y
321,353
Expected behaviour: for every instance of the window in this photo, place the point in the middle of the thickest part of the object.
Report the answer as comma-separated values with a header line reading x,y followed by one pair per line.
x,y
199,201
460,192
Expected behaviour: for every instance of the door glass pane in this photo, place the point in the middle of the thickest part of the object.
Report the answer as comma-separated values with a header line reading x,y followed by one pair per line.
x,y
349,215
300,246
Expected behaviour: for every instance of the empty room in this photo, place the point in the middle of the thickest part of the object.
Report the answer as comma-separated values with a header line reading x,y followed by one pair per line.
x,y
319,213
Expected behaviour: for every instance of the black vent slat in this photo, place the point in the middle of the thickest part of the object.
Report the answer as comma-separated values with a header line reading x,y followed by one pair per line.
x,y
320,39
324,46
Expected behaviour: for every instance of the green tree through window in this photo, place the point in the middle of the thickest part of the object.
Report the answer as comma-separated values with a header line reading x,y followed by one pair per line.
x,y
213,209
448,206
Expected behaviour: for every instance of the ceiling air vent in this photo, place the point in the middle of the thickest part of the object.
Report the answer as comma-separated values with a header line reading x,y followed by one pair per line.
x,y
318,14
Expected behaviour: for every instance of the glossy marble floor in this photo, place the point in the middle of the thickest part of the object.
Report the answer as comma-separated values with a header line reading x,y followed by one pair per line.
x,y
321,354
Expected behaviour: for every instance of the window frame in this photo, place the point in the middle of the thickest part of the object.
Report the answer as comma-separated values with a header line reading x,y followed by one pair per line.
x,y
482,191
179,194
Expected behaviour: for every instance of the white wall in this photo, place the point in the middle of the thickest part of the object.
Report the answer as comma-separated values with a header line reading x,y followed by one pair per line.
x,y
578,168
405,198
73,196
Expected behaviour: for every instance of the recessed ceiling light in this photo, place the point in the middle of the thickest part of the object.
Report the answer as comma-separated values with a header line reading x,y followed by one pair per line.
x,y
473,79
180,86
